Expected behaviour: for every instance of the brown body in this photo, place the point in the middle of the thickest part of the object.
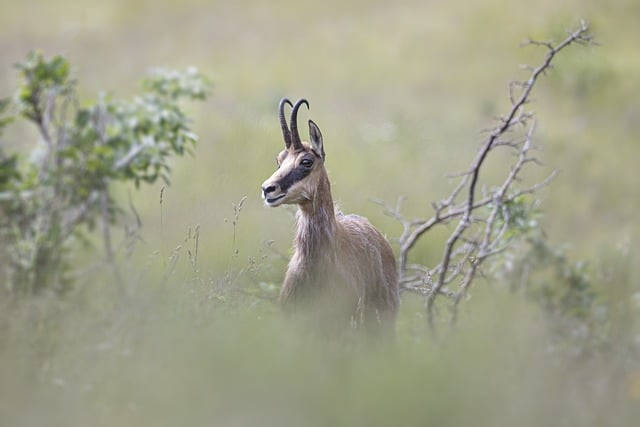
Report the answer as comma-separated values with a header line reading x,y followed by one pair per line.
x,y
342,266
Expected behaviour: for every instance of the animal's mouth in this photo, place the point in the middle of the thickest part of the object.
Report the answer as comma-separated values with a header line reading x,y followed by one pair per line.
x,y
273,201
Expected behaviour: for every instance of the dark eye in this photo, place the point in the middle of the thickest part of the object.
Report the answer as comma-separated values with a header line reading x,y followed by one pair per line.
x,y
307,163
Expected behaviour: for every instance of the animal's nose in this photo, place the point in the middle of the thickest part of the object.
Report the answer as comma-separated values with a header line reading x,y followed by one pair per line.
x,y
266,189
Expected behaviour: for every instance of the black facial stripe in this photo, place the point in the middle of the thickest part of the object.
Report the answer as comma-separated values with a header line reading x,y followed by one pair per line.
x,y
296,174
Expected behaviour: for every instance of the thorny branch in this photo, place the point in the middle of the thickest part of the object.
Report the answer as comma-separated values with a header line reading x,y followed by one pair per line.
x,y
483,220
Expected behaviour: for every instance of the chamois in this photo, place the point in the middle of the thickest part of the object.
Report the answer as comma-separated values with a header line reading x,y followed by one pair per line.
x,y
342,264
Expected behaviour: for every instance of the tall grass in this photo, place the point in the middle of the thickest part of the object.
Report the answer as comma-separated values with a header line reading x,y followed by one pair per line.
x,y
196,349
155,362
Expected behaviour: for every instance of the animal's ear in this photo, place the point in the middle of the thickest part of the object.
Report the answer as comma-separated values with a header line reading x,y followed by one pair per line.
x,y
316,138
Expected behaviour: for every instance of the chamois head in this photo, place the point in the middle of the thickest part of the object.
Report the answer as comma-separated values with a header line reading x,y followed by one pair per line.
x,y
300,164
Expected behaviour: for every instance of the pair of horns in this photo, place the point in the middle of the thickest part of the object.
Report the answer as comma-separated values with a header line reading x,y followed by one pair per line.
x,y
291,137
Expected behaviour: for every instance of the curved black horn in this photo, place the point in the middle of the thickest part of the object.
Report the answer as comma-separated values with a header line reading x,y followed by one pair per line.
x,y
295,136
283,122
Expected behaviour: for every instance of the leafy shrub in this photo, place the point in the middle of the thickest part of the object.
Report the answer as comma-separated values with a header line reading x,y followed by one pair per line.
x,y
587,306
63,189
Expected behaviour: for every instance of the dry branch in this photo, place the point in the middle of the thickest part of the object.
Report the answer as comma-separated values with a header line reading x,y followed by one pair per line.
x,y
483,220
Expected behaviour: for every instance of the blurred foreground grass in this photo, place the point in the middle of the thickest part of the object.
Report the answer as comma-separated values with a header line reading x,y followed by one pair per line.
x,y
401,91
177,356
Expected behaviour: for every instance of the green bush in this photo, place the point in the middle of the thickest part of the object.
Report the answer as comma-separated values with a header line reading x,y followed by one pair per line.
x,y
63,189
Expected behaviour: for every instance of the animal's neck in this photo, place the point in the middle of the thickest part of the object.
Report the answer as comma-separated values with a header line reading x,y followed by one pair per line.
x,y
316,224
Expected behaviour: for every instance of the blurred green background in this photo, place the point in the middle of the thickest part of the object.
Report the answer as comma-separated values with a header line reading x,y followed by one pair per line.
x,y
401,91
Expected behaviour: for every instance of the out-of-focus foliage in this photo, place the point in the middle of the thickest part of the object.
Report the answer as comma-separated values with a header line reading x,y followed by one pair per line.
x,y
589,308
79,154
184,353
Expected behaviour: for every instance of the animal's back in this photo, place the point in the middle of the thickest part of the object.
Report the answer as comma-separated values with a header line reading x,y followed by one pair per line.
x,y
370,262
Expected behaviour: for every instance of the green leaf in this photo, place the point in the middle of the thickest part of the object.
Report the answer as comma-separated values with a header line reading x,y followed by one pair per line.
x,y
4,104
8,170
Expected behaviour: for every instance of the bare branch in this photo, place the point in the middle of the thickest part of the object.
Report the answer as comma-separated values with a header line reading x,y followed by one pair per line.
x,y
479,235
134,152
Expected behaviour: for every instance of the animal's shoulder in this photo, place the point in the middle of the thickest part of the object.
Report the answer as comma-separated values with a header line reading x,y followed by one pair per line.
x,y
359,228
353,221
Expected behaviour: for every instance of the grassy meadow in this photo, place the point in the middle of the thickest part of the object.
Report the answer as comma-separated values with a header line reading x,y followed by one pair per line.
x,y
402,91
